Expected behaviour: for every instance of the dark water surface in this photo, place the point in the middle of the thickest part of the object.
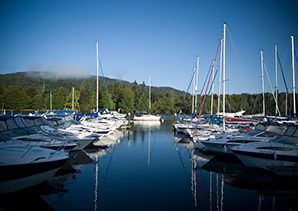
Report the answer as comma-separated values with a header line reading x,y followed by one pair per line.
x,y
151,168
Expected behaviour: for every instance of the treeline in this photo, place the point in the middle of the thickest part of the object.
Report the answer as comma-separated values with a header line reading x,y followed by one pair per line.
x,y
20,93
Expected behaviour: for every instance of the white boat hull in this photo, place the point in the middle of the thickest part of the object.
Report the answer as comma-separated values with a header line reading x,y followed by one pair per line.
x,y
146,118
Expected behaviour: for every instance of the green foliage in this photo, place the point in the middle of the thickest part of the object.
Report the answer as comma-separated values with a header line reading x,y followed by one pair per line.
x,y
124,95
104,102
37,102
31,92
15,97
2,88
84,102
72,102
126,100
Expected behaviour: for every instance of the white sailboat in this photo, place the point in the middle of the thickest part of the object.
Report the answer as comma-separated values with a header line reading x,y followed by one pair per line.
x,y
149,116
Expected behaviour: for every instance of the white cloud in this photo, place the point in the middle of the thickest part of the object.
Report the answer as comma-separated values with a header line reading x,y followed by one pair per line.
x,y
68,71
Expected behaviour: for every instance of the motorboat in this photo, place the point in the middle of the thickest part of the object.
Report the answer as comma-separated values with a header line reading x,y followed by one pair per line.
x,y
16,128
41,125
23,166
266,131
281,152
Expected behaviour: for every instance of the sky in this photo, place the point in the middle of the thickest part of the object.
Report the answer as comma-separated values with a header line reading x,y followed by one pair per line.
x,y
157,38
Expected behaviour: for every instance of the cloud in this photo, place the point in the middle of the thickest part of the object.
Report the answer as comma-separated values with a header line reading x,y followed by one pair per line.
x,y
69,71
119,73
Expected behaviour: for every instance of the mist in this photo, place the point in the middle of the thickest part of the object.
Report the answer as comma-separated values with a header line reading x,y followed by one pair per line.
x,y
56,72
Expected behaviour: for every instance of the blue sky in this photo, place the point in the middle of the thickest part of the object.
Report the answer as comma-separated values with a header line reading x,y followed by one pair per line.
x,y
138,38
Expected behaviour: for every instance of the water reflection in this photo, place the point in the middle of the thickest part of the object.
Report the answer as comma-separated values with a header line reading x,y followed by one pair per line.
x,y
225,176
152,168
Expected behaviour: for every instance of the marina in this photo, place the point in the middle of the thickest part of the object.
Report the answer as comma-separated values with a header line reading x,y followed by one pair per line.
x,y
151,167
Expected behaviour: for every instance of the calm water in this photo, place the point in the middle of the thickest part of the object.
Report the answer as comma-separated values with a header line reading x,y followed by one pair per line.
x,y
151,168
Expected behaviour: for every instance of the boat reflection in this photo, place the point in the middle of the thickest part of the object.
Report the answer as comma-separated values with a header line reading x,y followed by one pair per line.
x,y
147,124
229,166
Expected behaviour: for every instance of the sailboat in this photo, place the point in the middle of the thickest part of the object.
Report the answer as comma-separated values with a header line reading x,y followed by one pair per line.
x,y
148,116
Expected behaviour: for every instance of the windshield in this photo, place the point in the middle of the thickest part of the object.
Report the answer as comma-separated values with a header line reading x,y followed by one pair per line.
x,y
38,122
29,122
254,132
2,126
4,138
286,140
20,122
19,132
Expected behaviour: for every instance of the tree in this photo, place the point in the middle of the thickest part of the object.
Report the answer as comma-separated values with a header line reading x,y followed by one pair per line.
x,y
16,98
31,92
2,88
37,102
104,101
127,98
68,100
59,97
84,102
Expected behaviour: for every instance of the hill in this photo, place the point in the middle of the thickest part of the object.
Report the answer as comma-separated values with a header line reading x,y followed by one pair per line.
x,y
37,81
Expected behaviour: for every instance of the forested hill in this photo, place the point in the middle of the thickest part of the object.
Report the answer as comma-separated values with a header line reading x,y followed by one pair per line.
x,y
35,91
34,80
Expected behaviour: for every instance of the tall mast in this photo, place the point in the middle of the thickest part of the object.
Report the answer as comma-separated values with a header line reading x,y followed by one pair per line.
x,y
149,94
72,102
219,81
262,67
224,77
293,65
51,104
193,91
276,92
212,91
197,82
97,77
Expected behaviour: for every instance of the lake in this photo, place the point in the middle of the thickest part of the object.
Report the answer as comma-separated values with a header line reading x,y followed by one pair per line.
x,y
149,167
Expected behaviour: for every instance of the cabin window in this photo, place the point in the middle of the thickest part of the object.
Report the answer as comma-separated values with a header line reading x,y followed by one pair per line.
x,y
29,122
38,122
2,126
291,130
11,124
20,122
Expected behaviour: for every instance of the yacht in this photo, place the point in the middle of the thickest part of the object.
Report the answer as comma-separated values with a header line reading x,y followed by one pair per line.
x,y
16,128
23,166
281,152
222,144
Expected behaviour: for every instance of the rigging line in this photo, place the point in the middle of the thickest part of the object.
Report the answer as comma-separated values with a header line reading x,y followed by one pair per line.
x,y
201,192
186,92
243,71
296,57
274,97
254,75
107,171
203,88
183,165
208,84
285,83
106,87
210,90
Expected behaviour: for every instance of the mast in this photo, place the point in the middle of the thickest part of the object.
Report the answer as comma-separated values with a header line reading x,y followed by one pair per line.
x,y
193,91
224,77
72,102
262,68
219,81
51,104
212,91
97,77
276,92
197,81
293,66
149,94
